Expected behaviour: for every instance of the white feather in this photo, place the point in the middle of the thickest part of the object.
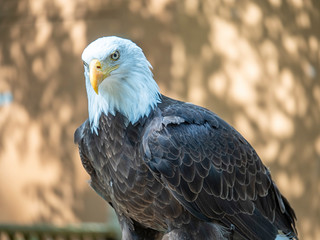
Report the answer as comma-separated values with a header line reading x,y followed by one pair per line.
x,y
130,89
281,237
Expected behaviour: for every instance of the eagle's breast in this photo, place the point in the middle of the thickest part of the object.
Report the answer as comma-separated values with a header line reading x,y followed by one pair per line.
x,y
119,174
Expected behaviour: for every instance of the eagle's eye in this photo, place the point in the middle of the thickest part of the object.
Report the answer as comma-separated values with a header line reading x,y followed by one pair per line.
x,y
115,55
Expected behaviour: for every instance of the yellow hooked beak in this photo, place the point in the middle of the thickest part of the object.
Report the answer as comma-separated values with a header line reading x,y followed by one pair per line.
x,y
98,73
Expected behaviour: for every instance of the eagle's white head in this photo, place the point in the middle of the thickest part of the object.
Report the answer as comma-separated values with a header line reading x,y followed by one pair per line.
x,y
118,79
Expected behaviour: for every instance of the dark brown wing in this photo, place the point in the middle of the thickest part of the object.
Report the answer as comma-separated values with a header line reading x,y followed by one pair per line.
x,y
120,176
214,172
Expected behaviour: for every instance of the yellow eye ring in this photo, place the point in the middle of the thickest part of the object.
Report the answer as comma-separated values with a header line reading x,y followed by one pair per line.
x,y
115,55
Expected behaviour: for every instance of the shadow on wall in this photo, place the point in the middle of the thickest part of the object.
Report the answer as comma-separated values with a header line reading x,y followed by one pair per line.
x,y
256,64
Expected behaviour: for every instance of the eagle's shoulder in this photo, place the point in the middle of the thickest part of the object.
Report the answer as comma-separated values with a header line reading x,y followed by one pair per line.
x,y
188,112
80,132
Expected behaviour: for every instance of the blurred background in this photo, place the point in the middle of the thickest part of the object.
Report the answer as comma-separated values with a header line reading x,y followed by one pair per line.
x,y
254,63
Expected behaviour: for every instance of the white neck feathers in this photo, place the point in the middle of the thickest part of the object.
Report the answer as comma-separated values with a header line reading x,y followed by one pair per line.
x,y
134,96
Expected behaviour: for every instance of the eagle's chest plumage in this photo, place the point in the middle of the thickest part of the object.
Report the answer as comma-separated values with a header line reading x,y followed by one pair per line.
x,y
120,175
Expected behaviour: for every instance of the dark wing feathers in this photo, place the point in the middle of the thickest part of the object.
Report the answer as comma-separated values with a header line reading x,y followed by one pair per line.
x,y
212,170
186,163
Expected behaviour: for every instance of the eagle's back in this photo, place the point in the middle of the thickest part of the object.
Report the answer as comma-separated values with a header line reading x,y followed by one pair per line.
x,y
215,173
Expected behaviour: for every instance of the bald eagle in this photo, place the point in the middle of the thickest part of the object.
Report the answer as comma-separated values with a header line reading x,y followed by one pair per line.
x,y
170,169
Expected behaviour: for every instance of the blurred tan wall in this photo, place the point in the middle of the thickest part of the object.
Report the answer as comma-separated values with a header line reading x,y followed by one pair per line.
x,y
255,63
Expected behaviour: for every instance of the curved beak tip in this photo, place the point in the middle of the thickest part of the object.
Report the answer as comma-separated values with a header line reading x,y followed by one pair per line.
x,y
98,73
95,74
